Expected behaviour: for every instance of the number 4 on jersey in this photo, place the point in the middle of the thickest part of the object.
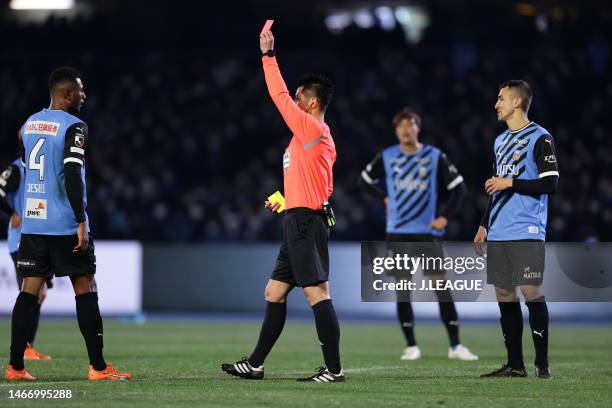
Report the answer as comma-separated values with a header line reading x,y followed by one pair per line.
x,y
40,164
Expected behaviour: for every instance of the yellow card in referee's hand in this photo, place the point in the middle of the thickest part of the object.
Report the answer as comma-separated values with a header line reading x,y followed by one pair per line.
x,y
277,197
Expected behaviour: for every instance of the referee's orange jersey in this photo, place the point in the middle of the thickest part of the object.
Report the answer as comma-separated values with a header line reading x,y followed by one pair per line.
x,y
308,160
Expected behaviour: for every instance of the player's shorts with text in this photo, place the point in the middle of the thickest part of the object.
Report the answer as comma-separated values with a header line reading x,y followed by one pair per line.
x,y
19,276
303,259
48,255
514,263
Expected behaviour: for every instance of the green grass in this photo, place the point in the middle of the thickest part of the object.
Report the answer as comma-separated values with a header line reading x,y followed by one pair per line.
x,y
177,364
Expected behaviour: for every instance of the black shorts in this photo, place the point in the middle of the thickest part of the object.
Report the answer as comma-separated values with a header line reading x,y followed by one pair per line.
x,y
14,257
514,263
303,259
48,255
417,245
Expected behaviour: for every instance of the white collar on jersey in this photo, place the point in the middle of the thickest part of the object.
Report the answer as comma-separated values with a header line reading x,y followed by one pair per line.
x,y
524,127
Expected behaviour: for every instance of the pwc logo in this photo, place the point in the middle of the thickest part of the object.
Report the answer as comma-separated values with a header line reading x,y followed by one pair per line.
x,y
36,209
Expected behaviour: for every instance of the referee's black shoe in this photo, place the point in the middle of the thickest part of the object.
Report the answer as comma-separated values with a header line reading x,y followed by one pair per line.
x,y
543,373
324,376
244,369
506,371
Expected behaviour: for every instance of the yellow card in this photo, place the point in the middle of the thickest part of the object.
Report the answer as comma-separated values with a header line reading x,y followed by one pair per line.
x,y
277,197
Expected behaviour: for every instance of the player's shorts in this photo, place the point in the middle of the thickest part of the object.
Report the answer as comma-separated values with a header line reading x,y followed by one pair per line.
x,y
303,259
514,263
47,255
14,257
417,245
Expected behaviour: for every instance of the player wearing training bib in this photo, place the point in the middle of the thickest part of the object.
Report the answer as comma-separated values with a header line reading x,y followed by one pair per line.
x,y
410,177
514,226
55,231
12,187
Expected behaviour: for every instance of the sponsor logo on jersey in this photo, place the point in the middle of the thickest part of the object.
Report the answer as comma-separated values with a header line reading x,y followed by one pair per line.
x,y
532,229
410,184
550,159
36,208
42,127
35,188
507,169
286,161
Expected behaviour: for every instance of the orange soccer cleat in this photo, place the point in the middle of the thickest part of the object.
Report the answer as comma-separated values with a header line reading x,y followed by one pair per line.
x,y
109,374
17,375
31,353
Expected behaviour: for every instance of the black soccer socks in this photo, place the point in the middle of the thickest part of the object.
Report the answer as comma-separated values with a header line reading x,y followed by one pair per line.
x,y
512,325
328,331
23,316
34,328
449,316
271,329
90,323
406,319
538,321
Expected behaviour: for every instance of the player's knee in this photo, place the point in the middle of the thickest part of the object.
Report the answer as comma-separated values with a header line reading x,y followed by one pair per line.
x,y
84,284
531,292
32,285
504,295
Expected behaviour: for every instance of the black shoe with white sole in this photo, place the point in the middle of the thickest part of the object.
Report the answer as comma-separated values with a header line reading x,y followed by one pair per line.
x,y
324,376
244,369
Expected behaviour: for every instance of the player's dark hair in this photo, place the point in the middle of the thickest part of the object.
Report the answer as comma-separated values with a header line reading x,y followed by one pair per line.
x,y
406,113
63,75
523,89
320,86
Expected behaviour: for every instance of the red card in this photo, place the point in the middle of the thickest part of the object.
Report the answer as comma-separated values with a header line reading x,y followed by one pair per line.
x,y
266,26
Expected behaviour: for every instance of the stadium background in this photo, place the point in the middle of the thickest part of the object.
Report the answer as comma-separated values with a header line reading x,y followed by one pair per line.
x,y
186,144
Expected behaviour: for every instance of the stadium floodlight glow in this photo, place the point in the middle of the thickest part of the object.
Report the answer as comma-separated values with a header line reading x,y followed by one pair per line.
x,y
364,19
414,20
338,22
385,17
41,4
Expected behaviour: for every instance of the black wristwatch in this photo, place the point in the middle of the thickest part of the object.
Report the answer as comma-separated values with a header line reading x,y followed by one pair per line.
x,y
269,53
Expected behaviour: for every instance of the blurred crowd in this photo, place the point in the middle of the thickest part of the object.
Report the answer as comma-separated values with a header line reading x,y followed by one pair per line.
x,y
185,143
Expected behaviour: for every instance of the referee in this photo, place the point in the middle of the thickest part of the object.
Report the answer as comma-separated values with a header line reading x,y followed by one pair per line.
x,y
303,259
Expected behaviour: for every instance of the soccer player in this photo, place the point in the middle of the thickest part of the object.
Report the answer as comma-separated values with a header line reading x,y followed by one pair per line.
x,y
55,231
12,186
409,177
303,259
514,225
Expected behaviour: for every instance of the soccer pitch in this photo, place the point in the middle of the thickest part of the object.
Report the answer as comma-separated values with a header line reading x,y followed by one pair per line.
x,y
177,364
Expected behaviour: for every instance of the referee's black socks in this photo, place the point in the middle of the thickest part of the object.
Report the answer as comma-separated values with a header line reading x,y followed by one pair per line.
x,y
538,321
328,331
90,323
512,327
23,317
271,329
